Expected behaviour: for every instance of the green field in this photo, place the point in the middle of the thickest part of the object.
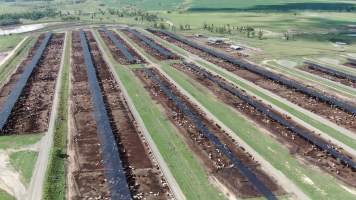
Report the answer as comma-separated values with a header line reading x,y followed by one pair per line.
x,y
7,43
5,196
24,162
10,65
17,141
313,32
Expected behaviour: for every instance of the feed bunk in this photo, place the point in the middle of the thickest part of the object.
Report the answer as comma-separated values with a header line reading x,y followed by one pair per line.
x,y
21,83
165,53
245,171
266,111
267,74
114,170
352,61
330,71
120,46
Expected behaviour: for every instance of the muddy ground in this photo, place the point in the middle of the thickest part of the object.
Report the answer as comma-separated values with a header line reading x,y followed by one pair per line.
x,y
144,176
147,48
32,111
214,161
334,114
119,57
295,144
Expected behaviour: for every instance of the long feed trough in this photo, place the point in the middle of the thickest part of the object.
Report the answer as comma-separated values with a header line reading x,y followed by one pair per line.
x,y
120,46
352,61
114,170
245,171
332,72
266,111
21,83
265,73
150,43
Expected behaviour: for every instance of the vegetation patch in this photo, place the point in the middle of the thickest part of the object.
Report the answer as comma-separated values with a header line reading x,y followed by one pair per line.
x,y
14,18
17,141
9,42
12,63
24,162
5,196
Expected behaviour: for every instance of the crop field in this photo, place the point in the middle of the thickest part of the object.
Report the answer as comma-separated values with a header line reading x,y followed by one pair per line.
x,y
178,100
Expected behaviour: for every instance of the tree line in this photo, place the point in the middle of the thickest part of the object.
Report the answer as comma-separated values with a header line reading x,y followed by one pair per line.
x,y
14,18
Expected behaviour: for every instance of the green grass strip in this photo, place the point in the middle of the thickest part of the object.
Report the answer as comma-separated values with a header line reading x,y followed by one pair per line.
x,y
54,188
24,162
11,64
316,184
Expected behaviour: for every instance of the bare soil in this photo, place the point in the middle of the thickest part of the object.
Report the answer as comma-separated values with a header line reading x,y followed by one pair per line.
x,y
119,57
147,48
214,161
295,144
32,110
145,179
314,105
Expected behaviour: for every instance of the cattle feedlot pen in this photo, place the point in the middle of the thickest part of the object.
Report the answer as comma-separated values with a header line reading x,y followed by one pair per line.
x,y
114,172
245,171
265,73
120,46
21,83
151,44
331,71
305,135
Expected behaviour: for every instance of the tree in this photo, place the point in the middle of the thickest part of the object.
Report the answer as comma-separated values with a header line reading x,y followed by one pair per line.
x,y
181,27
260,34
162,26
